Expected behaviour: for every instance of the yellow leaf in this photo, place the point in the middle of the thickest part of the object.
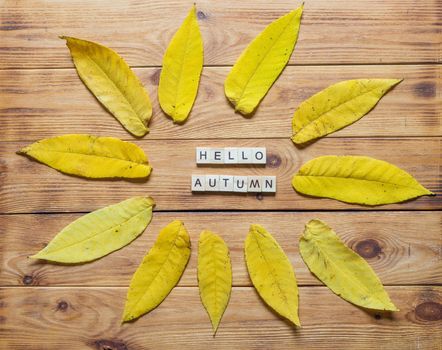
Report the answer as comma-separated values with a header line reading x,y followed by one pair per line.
x,y
262,62
113,83
91,156
99,233
341,269
214,275
355,179
337,106
272,273
182,66
159,271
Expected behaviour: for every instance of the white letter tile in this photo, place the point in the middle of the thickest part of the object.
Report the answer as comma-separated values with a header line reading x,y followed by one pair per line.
x,y
216,156
231,155
202,155
198,183
259,155
226,183
254,183
240,184
212,183
245,155
269,184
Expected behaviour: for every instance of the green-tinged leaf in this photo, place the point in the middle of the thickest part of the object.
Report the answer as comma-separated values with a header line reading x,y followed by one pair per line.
x,y
341,269
113,83
272,273
355,179
91,156
214,275
182,66
337,106
159,271
262,62
99,233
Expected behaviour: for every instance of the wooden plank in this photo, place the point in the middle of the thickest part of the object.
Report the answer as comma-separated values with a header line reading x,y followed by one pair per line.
x,y
27,186
89,318
364,31
54,101
390,241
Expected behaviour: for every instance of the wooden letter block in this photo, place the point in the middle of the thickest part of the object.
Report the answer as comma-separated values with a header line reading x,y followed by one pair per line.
x,y
202,155
212,183
240,184
245,155
231,155
254,183
216,156
226,183
198,183
268,184
259,155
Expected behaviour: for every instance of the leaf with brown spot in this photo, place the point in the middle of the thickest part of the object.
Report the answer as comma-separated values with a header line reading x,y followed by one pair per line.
x,y
337,106
99,233
341,269
113,83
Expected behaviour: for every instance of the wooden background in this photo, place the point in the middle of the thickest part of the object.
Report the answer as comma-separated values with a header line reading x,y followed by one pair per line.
x,y
48,306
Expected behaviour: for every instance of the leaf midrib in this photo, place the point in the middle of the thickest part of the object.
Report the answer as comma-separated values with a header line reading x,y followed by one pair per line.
x,y
336,107
159,270
180,73
98,233
345,272
273,274
358,179
117,87
94,155
262,60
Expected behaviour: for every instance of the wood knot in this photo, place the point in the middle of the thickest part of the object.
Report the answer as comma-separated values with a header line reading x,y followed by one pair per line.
x,y
368,248
155,77
259,196
62,306
201,15
27,279
377,316
105,344
273,161
425,89
429,311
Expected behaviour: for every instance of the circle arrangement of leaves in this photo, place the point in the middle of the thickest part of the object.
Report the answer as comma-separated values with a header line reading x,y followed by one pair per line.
x,y
352,179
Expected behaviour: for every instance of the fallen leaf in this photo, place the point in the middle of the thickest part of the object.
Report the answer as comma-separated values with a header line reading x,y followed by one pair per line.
x,y
113,83
337,106
159,271
356,179
91,156
99,233
262,62
214,275
272,273
182,66
341,269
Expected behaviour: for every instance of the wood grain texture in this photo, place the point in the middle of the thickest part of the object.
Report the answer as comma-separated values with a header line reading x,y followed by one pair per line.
x,y
50,306
76,318
402,248
28,186
337,31
54,101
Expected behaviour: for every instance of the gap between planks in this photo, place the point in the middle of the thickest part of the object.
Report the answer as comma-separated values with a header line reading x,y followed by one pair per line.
x,y
245,211
420,63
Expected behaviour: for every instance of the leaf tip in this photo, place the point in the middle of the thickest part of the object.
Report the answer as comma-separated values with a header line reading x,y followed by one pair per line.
x,y
215,328
22,151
